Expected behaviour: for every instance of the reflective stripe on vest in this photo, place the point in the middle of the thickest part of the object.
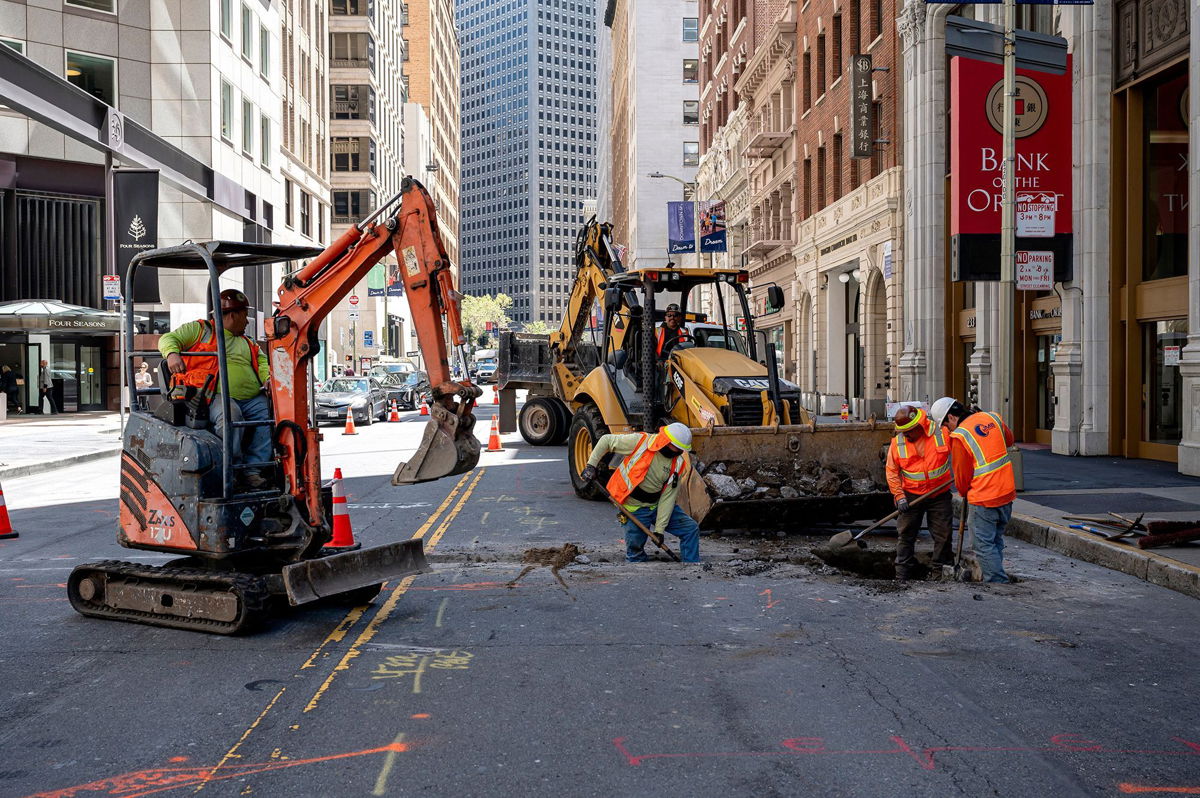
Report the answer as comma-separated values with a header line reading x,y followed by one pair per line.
x,y
982,464
632,470
199,367
918,476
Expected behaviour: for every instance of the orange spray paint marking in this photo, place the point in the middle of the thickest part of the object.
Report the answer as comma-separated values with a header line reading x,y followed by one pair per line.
x,y
420,715
1130,789
770,602
178,759
148,782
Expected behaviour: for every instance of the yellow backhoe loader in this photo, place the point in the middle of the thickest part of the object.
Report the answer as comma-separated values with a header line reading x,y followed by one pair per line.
x,y
761,460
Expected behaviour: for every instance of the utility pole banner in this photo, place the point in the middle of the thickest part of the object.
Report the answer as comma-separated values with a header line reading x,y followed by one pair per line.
x,y
135,227
388,273
681,227
1043,167
712,226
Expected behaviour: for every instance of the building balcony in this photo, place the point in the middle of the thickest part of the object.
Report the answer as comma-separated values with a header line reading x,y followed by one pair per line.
x,y
764,140
350,63
762,239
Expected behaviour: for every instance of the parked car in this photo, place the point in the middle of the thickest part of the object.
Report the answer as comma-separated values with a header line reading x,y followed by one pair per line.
x,y
362,396
485,371
381,370
406,387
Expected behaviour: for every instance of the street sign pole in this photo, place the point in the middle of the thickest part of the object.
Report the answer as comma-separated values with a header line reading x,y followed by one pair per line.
x,y
1008,219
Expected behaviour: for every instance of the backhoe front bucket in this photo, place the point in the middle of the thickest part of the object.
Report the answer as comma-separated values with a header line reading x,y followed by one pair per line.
x,y
789,477
309,580
448,447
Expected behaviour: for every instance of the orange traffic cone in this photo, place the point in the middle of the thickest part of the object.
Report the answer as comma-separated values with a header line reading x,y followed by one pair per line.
x,y
6,530
845,412
494,436
495,395
349,430
424,409
343,535
395,414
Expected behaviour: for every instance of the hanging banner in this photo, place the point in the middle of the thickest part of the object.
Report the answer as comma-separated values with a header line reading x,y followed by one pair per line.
x,y
681,227
712,226
380,273
135,227
1043,167
862,107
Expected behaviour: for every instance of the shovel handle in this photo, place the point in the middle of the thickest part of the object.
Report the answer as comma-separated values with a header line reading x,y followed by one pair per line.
x,y
895,513
658,541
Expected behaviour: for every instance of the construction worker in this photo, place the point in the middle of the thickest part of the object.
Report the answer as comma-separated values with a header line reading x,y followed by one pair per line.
x,y
248,373
983,474
671,332
918,464
645,484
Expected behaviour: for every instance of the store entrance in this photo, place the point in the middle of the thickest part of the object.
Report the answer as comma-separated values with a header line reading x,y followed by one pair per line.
x,y
75,369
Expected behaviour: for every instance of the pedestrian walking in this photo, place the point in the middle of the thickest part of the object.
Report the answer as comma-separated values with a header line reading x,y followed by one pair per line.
x,y
46,388
918,464
10,388
646,484
983,475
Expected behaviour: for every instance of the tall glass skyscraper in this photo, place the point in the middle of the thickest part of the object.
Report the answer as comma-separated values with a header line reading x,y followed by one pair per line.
x,y
528,147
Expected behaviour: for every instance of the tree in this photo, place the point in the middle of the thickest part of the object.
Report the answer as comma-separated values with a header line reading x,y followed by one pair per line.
x,y
537,327
477,311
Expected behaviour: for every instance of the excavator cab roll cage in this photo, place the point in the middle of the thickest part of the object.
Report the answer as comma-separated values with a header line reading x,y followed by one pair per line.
x,y
216,258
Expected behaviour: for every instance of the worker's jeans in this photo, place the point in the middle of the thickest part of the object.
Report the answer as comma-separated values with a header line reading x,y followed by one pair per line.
x,y
937,512
987,533
681,526
249,444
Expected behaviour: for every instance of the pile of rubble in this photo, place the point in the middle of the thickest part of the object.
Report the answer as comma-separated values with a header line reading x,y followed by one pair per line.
x,y
740,480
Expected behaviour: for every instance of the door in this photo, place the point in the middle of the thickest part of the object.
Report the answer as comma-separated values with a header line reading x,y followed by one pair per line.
x,y
64,372
91,378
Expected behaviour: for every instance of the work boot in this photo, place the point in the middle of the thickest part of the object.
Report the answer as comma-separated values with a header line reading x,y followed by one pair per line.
x,y
253,480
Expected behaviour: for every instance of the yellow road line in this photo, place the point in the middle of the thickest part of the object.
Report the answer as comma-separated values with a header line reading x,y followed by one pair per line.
x,y
338,634
373,627
441,612
232,752
389,762
420,533
421,668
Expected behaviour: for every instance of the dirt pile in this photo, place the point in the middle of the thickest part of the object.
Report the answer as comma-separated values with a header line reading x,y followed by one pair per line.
x,y
732,480
554,559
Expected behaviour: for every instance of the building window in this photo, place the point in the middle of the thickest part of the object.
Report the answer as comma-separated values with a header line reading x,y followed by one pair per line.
x,y
95,5
248,128
820,178
877,140
808,207
855,26
806,79
1163,341
264,140
306,213
247,33
691,112
820,64
14,45
876,19
837,166
836,63
691,29
94,74
226,111
691,70
691,153
264,51
227,18
287,203
1165,185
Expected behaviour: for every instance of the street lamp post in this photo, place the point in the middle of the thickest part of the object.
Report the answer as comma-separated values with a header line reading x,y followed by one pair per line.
x,y
688,188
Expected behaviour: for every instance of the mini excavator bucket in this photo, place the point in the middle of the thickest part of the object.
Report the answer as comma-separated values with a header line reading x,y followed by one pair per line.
x,y
448,447
790,477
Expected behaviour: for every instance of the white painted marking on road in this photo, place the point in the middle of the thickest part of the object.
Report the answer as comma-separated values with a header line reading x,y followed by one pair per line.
x,y
483,521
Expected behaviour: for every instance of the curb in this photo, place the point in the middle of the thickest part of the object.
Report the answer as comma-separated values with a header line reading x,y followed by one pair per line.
x,y
14,472
1145,565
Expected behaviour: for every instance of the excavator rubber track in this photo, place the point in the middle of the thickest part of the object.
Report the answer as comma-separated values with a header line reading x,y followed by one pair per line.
x,y
197,600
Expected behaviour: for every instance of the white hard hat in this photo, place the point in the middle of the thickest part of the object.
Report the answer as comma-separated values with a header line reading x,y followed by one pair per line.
x,y
680,435
940,408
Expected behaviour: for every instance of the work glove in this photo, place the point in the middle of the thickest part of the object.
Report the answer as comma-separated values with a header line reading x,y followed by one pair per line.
x,y
588,474
902,505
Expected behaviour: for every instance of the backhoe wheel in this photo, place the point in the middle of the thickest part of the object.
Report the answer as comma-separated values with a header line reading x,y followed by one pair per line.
x,y
539,422
586,428
564,421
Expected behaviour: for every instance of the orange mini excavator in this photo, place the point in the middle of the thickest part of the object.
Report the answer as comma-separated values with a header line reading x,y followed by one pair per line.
x,y
241,548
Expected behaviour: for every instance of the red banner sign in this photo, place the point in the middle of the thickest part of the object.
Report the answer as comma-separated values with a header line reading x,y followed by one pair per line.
x,y
1043,109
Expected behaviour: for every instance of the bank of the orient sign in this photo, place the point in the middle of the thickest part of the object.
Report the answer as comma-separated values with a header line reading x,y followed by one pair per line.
x,y
1043,173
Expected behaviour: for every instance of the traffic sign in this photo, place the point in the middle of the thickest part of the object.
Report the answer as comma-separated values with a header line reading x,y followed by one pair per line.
x,y
1035,271
353,300
368,338
111,285
354,315
411,354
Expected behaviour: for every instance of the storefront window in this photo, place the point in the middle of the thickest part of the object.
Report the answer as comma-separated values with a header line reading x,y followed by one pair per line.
x,y
968,387
1047,348
1161,382
1166,181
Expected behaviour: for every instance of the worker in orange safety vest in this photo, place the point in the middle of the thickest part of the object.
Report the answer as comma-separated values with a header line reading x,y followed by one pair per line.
x,y
918,464
983,475
646,484
671,332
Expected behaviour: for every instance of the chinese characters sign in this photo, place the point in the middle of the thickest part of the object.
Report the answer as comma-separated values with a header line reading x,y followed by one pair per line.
x,y
862,107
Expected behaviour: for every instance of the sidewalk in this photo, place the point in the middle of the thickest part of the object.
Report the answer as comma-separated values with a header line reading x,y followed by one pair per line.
x,y
33,444
1056,486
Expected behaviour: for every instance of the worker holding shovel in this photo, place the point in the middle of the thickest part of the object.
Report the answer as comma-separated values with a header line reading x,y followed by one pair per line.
x,y
918,464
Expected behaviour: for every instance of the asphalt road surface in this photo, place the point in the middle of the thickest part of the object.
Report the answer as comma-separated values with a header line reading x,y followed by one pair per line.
x,y
755,674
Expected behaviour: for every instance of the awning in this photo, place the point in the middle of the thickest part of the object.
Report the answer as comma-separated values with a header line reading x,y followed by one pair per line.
x,y
50,316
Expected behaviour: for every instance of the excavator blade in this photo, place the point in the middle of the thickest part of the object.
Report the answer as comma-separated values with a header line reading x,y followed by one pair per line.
x,y
448,447
322,577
